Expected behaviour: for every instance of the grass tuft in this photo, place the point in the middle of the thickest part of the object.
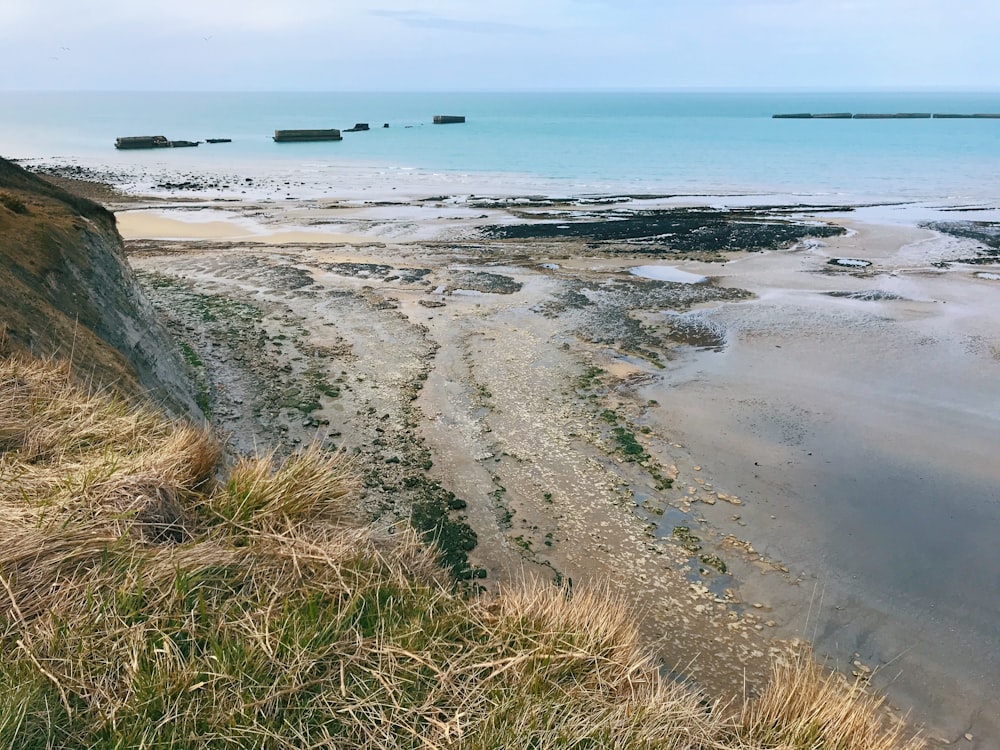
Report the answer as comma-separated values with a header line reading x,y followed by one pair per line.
x,y
805,706
80,457
13,203
309,485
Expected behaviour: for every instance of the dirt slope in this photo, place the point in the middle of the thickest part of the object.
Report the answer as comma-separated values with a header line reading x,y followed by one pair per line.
x,y
66,290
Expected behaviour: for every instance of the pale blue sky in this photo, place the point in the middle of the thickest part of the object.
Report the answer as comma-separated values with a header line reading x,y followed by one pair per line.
x,y
424,45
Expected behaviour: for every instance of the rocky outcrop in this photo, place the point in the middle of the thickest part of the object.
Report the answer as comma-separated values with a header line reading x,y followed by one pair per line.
x,y
67,291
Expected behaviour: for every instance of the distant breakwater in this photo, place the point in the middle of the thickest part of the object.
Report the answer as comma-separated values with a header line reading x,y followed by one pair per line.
x,y
884,116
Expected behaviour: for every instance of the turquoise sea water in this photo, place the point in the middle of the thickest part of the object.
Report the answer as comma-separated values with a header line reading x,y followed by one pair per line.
x,y
576,143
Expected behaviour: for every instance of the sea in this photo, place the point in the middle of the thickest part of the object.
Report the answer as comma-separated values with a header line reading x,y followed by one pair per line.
x,y
560,143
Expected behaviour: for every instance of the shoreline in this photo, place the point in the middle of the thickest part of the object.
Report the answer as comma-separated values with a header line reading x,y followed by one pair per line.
x,y
475,327
365,183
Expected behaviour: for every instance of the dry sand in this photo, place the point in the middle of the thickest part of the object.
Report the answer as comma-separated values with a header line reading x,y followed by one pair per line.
x,y
836,454
148,224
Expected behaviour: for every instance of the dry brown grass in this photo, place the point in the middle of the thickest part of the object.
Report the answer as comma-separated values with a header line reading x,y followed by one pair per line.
x,y
146,601
69,454
806,706
308,486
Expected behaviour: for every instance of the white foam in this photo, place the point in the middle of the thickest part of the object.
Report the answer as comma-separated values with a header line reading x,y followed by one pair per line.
x,y
987,275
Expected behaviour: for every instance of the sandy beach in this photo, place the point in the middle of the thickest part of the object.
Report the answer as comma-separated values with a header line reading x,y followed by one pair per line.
x,y
785,445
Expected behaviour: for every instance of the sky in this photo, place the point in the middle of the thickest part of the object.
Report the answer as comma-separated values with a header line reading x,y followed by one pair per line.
x,y
470,45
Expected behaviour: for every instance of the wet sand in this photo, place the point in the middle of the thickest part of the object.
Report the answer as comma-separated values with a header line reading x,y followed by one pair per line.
x,y
834,452
862,436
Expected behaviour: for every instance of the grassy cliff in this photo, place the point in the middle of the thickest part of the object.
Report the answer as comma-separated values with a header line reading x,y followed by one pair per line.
x,y
154,598
67,290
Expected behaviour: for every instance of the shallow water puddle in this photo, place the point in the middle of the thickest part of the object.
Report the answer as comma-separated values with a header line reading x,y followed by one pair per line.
x,y
667,273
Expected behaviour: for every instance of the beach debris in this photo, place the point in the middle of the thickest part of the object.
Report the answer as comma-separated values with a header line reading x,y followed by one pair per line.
x,y
884,116
849,262
867,295
290,136
683,536
151,141
809,116
896,116
142,141
482,282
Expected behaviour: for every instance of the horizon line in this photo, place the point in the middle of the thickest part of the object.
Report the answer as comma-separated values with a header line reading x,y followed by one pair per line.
x,y
539,90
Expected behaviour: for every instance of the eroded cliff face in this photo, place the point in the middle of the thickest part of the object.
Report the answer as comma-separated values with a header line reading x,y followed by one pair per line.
x,y
67,291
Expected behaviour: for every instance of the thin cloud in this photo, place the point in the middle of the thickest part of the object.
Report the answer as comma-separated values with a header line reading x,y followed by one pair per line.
x,y
421,20
249,44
